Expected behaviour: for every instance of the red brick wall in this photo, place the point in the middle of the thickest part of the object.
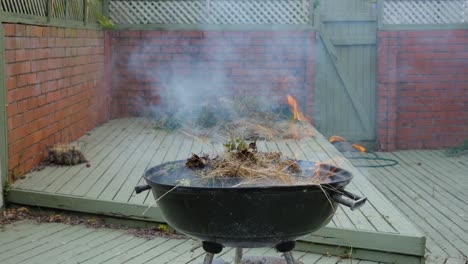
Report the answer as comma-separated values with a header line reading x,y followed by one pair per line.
x,y
55,91
148,66
422,90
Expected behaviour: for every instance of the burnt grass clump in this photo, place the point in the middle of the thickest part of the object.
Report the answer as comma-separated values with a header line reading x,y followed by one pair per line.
x,y
66,155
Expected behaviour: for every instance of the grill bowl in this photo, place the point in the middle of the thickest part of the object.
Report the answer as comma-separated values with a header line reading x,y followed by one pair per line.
x,y
247,217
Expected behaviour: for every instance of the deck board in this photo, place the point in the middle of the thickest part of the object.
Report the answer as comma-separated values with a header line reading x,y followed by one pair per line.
x,y
137,251
172,154
375,198
91,140
116,251
426,186
443,202
21,241
84,246
117,181
122,165
401,200
124,149
125,191
80,244
25,250
433,173
157,158
70,248
61,177
81,183
58,243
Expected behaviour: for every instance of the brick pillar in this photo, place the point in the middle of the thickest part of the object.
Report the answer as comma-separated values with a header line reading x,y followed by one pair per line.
x,y
107,73
387,90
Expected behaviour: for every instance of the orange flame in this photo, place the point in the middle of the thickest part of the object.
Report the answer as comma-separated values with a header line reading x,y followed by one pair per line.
x,y
336,138
297,115
341,139
320,168
359,148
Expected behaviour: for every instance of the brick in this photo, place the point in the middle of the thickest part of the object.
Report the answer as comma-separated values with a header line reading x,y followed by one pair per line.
x,y
20,30
192,34
18,68
9,29
10,56
133,34
34,31
26,79
39,65
11,83
22,55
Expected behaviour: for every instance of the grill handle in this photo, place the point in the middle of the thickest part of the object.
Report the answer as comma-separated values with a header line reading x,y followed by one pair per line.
x,y
141,188
348,199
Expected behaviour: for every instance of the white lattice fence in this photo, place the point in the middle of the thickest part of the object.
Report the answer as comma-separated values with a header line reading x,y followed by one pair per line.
x,y
424,12
72,10
60,9
218,12
26,7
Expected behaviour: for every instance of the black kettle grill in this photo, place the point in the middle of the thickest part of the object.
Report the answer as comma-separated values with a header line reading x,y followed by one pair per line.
x,y
220,214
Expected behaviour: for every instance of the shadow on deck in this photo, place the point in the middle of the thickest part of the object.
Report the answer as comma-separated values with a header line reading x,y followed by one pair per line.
x,y
121,150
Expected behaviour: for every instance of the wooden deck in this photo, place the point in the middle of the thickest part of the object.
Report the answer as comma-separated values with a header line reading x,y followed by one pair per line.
x,y
121,150
430,189
27,242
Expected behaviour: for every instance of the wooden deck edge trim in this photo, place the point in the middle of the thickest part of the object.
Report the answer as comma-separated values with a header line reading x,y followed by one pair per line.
x,y
343,238
370,240
359,253
84,204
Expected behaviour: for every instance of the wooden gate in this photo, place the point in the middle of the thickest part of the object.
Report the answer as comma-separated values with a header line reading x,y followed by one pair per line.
x,y
346,69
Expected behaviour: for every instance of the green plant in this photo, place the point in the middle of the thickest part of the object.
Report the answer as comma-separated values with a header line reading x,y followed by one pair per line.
x,y
164,120
207,117
458,150
60,9
6,189
163,228
235,144
105,22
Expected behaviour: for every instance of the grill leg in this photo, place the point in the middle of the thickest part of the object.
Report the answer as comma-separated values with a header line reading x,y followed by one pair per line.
x,y
238,257
211,249
286,248
289,257
208,258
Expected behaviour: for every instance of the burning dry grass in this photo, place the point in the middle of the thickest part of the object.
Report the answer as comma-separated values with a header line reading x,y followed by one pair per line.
x,y
266,167
267,129
253,167
240,117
